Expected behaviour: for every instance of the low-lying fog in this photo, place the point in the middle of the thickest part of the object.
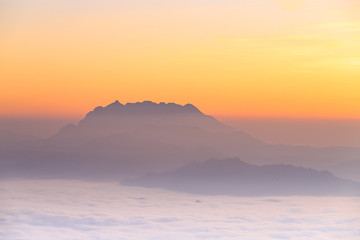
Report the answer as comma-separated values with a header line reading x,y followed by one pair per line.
x,y
64,210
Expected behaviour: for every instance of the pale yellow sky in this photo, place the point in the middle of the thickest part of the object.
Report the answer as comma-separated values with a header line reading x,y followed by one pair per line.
x,y
229,58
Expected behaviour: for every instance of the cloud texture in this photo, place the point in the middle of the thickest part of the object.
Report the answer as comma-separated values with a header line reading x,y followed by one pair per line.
x,y
74,210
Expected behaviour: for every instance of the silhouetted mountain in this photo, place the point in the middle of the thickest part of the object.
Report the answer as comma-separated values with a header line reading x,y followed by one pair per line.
x,y
117,118
142,108
235,177
119,140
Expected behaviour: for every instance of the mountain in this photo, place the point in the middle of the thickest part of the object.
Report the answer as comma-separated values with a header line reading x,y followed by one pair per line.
x,y
140,116
122,140
235,177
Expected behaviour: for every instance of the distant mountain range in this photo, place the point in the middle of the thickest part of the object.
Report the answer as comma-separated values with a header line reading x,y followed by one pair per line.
x,y
137,117
128,140
235,177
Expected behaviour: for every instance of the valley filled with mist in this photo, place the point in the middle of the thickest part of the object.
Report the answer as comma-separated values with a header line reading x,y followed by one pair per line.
x,y
150,170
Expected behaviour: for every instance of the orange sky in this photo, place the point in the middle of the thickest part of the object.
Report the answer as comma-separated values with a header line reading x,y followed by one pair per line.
x,y
230,58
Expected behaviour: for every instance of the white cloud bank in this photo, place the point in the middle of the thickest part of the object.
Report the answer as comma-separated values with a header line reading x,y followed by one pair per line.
x,y
74,210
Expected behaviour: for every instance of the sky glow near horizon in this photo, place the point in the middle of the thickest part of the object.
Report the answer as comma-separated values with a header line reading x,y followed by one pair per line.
x,y
230,58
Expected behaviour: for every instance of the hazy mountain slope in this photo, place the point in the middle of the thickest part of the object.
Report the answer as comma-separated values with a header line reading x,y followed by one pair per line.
x,y
234,177
119,140
117,118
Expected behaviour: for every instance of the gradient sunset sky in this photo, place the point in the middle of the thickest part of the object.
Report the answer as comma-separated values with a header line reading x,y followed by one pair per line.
x,y
254,58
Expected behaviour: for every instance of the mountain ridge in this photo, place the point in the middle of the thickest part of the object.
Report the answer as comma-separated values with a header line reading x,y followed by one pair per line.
x,y
117,117
145,107
232,176
157,137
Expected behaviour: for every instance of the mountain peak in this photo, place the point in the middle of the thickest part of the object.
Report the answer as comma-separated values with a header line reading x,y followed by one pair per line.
x,y
116,103
143,108
132,117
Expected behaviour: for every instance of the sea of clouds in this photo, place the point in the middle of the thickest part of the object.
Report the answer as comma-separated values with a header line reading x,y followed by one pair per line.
x,y
76,210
